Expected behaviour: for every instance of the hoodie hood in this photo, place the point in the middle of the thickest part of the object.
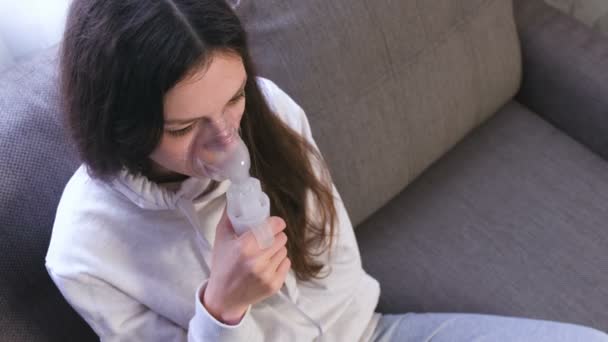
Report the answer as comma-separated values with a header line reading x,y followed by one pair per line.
x,y
147,194
181,197
188,195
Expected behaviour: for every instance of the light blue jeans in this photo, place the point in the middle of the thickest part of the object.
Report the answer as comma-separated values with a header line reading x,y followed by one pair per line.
x,y
464,327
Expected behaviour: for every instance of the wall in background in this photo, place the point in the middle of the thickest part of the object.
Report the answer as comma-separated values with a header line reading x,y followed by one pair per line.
x,y
26,26
594,13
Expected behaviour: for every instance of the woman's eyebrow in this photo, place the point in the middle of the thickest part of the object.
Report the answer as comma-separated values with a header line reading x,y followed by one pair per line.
x,y
189,120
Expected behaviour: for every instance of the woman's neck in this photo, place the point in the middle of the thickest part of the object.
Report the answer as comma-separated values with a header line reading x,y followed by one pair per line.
x,y
168,178
159,174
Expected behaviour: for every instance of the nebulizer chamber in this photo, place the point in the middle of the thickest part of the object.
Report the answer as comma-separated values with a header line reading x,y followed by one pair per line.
x,y
221,154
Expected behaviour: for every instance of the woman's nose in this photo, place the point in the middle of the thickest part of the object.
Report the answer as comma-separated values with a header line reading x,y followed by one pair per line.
x,y
216,131
219,125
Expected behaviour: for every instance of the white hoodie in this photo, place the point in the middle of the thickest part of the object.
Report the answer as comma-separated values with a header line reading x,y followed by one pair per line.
x,y
132,257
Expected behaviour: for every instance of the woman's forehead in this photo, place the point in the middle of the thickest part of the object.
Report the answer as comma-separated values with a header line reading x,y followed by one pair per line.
x,y
207,90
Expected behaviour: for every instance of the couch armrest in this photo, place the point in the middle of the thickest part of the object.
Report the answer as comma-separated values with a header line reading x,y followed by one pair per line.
x,y
565,72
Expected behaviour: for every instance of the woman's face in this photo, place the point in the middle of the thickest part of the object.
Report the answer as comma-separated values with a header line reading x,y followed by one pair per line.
x,y
212,100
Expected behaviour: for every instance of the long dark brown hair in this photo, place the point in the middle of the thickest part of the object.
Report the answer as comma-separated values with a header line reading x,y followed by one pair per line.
x,y
118,60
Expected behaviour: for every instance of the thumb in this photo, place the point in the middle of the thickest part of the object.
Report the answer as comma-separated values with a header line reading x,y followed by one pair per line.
x,y
224,230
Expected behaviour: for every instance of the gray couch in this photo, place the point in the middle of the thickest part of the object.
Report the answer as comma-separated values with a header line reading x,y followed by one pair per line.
x,y
468,138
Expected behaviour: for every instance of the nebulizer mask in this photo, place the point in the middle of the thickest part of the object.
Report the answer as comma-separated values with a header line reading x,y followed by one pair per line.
x,y
219,153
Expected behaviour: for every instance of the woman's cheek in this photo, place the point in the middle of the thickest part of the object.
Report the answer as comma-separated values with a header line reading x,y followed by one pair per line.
x,y
158,155
238,114
182,152
174,153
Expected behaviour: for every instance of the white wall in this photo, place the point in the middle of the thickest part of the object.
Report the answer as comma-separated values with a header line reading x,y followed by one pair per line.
x,y
27,26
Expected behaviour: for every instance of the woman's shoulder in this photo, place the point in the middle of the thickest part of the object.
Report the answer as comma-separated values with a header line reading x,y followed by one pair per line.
x,y
282,104
87,206
83,192
287,109
76,218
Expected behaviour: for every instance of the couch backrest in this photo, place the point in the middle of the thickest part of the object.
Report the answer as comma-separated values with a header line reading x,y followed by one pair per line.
x,y
35,164
389,86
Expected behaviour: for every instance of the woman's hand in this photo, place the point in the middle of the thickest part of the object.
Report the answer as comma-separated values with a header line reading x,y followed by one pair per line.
x,y
241,272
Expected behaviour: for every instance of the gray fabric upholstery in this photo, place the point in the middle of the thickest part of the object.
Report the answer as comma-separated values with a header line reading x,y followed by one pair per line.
x,y
565,72
511,222
35,164
395,83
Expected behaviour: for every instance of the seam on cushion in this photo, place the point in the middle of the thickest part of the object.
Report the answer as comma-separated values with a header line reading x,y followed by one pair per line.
x,y
470,47
393,73
464,20
454,29
385,45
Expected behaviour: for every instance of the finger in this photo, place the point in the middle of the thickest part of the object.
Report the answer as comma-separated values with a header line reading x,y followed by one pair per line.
x,y
276,224
283,268
279,241
276,259
281,273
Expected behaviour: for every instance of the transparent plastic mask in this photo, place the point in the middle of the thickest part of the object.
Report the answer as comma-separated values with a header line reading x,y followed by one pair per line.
x,y
219,153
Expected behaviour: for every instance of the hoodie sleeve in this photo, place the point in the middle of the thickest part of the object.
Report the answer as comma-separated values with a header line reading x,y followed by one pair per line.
x,y
115,316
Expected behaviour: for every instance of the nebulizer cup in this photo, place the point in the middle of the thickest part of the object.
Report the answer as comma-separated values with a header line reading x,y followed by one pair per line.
x,y
221,154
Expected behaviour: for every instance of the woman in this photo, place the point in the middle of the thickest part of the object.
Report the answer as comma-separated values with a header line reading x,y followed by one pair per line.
x,y
142,247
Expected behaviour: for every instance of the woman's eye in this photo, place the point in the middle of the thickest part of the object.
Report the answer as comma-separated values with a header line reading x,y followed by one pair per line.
x,y
241,95
180,132
185,130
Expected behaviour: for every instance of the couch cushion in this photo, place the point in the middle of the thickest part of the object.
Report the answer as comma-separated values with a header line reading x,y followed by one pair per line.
x,y
35,163
512,221
389,86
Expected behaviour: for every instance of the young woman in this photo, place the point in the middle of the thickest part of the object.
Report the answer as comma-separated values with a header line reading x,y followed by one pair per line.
x,y
142,247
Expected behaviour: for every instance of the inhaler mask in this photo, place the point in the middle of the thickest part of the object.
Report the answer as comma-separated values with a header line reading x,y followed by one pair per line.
x,y
221,154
